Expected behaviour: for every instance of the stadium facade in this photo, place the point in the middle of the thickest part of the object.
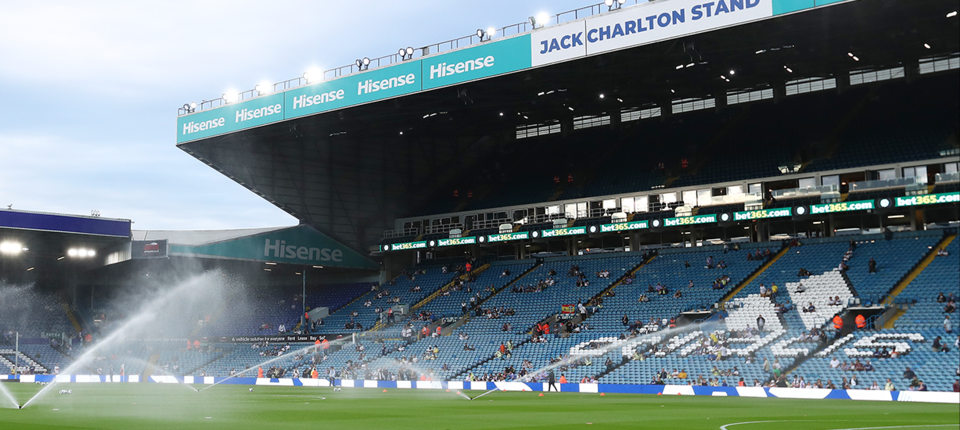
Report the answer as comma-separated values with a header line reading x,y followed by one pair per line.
x,y
627,188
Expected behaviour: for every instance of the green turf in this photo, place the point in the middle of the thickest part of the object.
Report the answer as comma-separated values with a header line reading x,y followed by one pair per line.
x,y
167,407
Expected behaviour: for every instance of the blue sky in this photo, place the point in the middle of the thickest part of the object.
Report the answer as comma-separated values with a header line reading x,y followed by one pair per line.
x,y
89,91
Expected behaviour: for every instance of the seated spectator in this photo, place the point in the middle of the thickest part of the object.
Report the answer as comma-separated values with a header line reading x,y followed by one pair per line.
x,y
686,264
803,273
810,307
938,345
868,367
677,294
801,288
941,298
872,265
722,264
942,252
950,307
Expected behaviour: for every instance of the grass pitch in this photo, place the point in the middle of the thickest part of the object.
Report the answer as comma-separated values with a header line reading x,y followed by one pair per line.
x,y
160,406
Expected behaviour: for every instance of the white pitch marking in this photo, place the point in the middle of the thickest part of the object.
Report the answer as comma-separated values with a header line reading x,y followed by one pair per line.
x,y
725,426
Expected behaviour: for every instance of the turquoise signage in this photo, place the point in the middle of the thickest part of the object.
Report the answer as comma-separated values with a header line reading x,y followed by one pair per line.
x,y
828,208
404,246
469,240
294,245
928,199
558,232
690,220
762,214
487,59
352,90
230,118
507,237
623,226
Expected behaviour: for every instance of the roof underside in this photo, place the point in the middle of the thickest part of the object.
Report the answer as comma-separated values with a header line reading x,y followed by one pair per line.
x,y
351,173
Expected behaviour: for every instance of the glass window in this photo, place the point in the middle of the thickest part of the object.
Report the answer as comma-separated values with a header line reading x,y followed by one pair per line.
x,y
627,204
704,197
553,210
808,183
951,167
886,174
690,198
830,180
641,204
734,190
919,172
582,211
570,210
610,204
668,198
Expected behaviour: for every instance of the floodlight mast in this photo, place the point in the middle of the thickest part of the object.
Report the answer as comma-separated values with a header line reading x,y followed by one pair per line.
x,y
16,355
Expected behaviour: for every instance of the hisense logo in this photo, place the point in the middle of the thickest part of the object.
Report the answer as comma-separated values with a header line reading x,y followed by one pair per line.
x,y
193,127
280,249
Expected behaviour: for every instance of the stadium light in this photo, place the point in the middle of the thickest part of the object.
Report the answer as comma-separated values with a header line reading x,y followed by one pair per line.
x,y
264,88
601,95
789,70
230,96
405,53
313,75
614,4
539,20
10,248
81,253
850,54
952,14
926,45
733,72
363,63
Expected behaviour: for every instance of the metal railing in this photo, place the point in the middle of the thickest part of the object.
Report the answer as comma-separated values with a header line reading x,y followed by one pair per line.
x,y
805,192
948,177
443,228
403,232
386,60
885,183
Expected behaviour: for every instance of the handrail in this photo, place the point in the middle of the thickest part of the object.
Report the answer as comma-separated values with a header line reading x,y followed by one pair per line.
x,y
386,60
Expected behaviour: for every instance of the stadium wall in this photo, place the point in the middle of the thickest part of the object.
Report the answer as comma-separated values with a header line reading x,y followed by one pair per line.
x,y
668,390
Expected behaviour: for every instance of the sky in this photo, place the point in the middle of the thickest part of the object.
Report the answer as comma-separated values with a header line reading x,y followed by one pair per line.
x,y
89,91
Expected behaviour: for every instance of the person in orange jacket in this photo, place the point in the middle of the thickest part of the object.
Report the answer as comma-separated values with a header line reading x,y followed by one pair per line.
x,y
259,372
861,322
563,379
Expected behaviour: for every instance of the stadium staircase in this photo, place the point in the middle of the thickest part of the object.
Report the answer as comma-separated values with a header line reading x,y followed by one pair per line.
x,y
910,276
380,325
465,318
890,322
634,270
733,293
69,312
151,366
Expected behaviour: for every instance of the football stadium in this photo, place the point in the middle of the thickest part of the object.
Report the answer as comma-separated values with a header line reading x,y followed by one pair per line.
x,y
675,214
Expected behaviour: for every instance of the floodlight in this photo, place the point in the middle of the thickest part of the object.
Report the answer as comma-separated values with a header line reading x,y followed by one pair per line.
x,y
264,88
401,52
926,45
410,51
543,19
12,248
359,63
366,61
733,72
952,14
608,2
230,96
601,95
481,33
193,106
491,32
72,252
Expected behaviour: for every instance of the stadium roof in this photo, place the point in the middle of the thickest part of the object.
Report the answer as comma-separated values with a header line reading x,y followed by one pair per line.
x,y
199,237
350,172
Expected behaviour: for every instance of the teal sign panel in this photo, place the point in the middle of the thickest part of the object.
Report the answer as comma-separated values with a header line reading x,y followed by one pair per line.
x,y
233,117
487,59
295,245
352,90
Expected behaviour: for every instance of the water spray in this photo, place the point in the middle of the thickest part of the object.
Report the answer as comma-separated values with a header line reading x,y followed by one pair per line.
x,y
304,350
145,315
599,352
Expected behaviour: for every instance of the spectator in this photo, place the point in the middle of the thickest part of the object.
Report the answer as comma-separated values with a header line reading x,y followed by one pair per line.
x,y
803,273
890,386
909,375
950,307
947,327
872,265
938,345
760,322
